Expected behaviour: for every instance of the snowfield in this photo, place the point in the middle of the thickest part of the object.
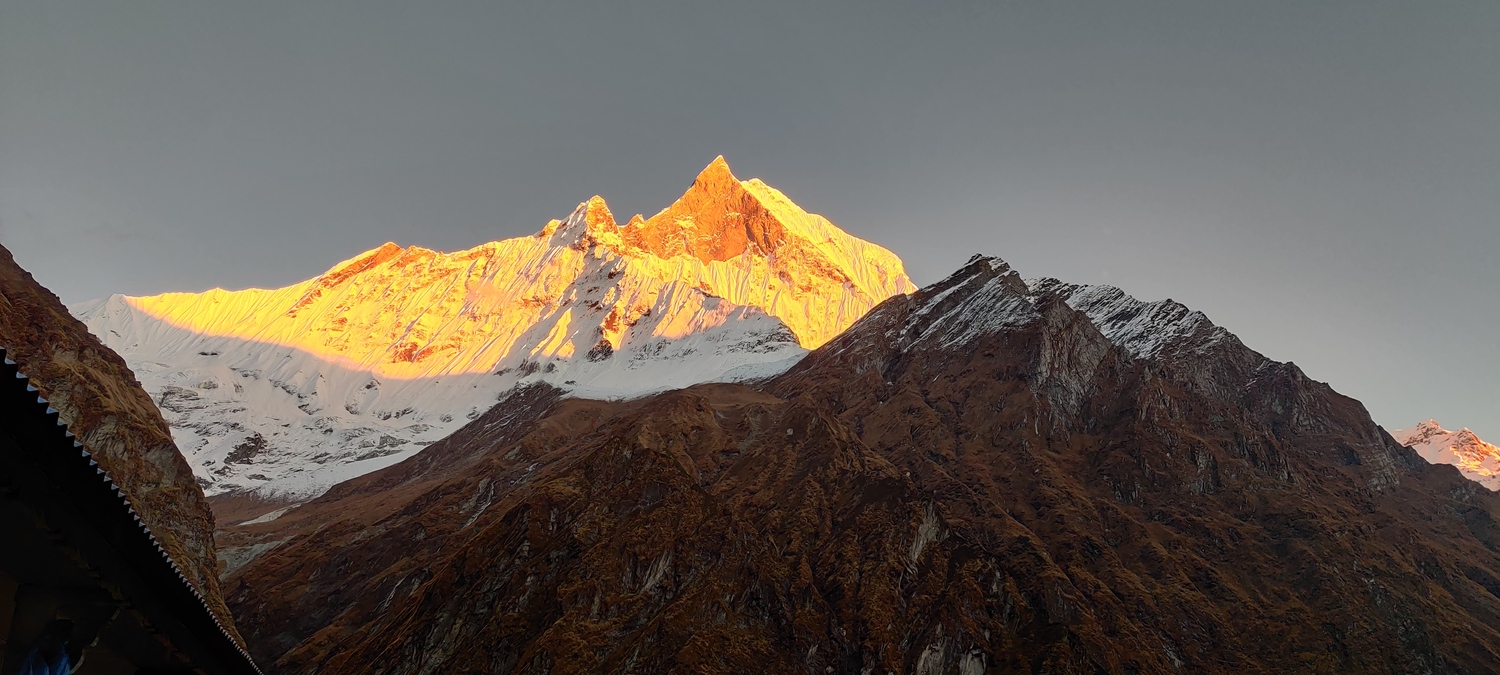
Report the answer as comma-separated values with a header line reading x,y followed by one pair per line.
x,y
286,392
1477,460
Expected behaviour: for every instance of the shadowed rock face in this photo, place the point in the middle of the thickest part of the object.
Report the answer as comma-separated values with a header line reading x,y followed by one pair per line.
x,y
104,406
975,478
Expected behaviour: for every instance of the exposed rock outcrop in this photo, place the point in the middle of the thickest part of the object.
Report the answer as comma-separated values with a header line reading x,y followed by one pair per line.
x,y
98,397
984,476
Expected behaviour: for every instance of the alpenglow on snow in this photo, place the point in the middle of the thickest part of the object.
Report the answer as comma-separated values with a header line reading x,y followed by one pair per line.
x,y
286,392
1476,460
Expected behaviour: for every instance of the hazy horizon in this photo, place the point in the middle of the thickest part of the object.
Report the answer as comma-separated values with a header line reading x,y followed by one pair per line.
x,y
1322,180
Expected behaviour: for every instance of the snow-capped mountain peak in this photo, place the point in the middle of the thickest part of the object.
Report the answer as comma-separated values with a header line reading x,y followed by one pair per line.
x,y
289,390
1476,459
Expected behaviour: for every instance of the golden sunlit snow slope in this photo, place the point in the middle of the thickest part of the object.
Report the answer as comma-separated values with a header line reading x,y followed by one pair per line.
x,y
293,389
412,312
1476,460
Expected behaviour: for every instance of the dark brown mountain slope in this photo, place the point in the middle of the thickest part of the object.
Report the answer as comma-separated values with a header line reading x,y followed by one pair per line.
x,y
103,404
975,478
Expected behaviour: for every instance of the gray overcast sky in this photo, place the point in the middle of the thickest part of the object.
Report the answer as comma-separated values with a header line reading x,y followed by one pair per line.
x,y
1322,178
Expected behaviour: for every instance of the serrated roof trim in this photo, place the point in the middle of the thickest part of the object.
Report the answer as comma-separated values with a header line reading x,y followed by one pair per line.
x,y
130,510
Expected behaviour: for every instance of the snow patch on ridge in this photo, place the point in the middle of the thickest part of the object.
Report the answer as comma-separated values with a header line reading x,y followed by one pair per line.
x,y
1145,329
983,297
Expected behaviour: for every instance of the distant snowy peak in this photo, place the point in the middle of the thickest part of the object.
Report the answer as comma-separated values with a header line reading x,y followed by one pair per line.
x,y
1423,434
579,286
1475,459
414,312
800,267
294,388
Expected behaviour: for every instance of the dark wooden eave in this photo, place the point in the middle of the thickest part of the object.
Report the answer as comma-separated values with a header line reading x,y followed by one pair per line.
x,y
69,525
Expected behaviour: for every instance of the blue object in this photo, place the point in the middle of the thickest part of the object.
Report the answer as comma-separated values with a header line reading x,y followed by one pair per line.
x,y
48,657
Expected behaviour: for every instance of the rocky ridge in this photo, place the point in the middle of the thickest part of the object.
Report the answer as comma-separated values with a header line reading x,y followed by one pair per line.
x,y
98,397
986,475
